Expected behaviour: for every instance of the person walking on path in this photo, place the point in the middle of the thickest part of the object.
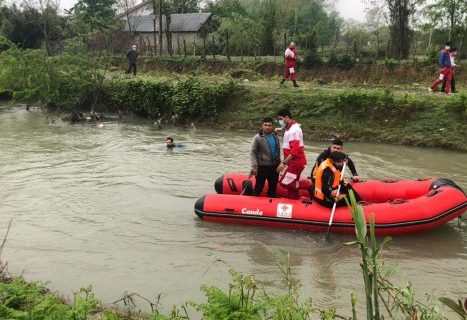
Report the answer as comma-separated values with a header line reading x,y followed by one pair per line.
x,y
265,158
453,53
132,55
291,56
445,69
294,154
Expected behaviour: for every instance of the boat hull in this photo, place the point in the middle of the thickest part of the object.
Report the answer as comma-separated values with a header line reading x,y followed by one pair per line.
x,y
398,207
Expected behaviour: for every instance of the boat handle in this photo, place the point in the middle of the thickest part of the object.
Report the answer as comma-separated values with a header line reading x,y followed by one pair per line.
x,y
398,201
432,193
389,180
232,185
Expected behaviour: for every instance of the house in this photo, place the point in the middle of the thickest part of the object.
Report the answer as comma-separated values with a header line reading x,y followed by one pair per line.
x,y
143,27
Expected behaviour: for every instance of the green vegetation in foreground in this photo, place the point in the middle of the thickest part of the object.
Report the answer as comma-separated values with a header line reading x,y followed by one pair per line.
x,y
245,299
75,81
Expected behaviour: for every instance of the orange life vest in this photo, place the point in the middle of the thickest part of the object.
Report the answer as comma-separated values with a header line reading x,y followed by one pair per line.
x,y
319,181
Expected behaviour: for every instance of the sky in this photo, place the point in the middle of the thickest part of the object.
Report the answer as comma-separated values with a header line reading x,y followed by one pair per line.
x,y
348,9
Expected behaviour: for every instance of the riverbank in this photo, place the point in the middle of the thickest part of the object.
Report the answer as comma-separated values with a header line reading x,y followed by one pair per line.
x,y
347,102
370,115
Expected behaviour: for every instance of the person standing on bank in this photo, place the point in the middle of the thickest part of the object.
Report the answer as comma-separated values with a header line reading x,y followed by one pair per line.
x,y
265,158
294,154
291,56
132,55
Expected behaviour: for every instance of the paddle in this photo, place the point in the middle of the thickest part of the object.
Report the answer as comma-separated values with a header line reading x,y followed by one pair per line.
x,y
335,200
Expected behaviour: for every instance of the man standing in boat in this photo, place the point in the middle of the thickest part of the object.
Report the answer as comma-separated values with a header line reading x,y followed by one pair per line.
x,y
265,158
327,180
294,153
337,145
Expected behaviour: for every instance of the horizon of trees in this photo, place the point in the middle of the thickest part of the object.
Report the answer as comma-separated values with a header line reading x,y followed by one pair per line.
x,y
397,29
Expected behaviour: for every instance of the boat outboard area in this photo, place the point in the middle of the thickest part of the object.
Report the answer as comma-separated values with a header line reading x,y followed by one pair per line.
x,y
399,206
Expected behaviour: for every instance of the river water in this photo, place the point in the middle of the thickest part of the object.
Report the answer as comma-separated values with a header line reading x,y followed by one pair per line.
x,y
112,207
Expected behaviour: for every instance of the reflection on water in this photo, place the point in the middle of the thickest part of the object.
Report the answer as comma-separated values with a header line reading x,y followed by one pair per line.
x,y
113,207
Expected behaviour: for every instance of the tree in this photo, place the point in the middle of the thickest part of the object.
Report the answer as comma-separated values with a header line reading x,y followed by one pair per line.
x,y
269,18
399,17
22,27
97,14
132,22
450,15
399,13
375,21
48,12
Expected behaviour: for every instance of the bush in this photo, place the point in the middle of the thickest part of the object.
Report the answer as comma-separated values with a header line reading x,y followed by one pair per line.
x,y
390,64
345,62
312,60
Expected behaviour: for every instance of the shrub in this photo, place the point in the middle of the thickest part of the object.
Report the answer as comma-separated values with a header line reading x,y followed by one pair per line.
x,y
345,62
312,60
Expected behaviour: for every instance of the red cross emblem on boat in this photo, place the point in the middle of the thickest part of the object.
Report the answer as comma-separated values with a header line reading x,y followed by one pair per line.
x,y
284,210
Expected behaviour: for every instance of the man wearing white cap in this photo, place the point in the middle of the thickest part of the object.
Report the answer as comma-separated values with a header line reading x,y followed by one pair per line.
x,y
132,55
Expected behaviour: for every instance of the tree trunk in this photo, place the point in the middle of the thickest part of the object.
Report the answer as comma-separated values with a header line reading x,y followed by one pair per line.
x,y
178,46
213,47
203,57
228,45
160,27
154,35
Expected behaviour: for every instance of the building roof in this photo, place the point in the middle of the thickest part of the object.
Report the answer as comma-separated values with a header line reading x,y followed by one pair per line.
x,y
182,22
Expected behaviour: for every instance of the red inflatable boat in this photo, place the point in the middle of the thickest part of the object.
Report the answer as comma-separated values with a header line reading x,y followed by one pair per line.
x,y
404,206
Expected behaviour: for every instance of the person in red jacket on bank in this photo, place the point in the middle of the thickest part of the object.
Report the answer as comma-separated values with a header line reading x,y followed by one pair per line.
x,y
291,56
294,154
445,69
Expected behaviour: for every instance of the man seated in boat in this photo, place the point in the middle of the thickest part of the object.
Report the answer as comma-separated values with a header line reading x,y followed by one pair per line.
x,y
294,154
265,158
328,178
337,145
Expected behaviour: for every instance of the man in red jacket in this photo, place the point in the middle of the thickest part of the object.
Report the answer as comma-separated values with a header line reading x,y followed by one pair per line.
x,y
291,56
294,154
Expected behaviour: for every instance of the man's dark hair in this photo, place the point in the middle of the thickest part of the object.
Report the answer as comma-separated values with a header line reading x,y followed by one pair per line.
x,y
338,156
268,119
284,113
170,138
447,43
338,142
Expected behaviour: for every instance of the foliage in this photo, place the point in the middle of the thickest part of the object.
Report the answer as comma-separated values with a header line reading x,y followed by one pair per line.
x,y
450,15
312,60
141,96
344,62
379,106
95,14
30,300
194,99
397,301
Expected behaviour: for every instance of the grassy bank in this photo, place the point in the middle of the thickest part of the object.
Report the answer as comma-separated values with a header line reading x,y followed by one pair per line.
x,y
400,114
373,115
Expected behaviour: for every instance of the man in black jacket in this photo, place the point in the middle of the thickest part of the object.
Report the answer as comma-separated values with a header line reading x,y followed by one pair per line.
x,y
132,55
337,145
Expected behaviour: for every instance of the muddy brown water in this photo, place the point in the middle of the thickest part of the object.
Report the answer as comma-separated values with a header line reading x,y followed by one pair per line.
x,y
112,207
